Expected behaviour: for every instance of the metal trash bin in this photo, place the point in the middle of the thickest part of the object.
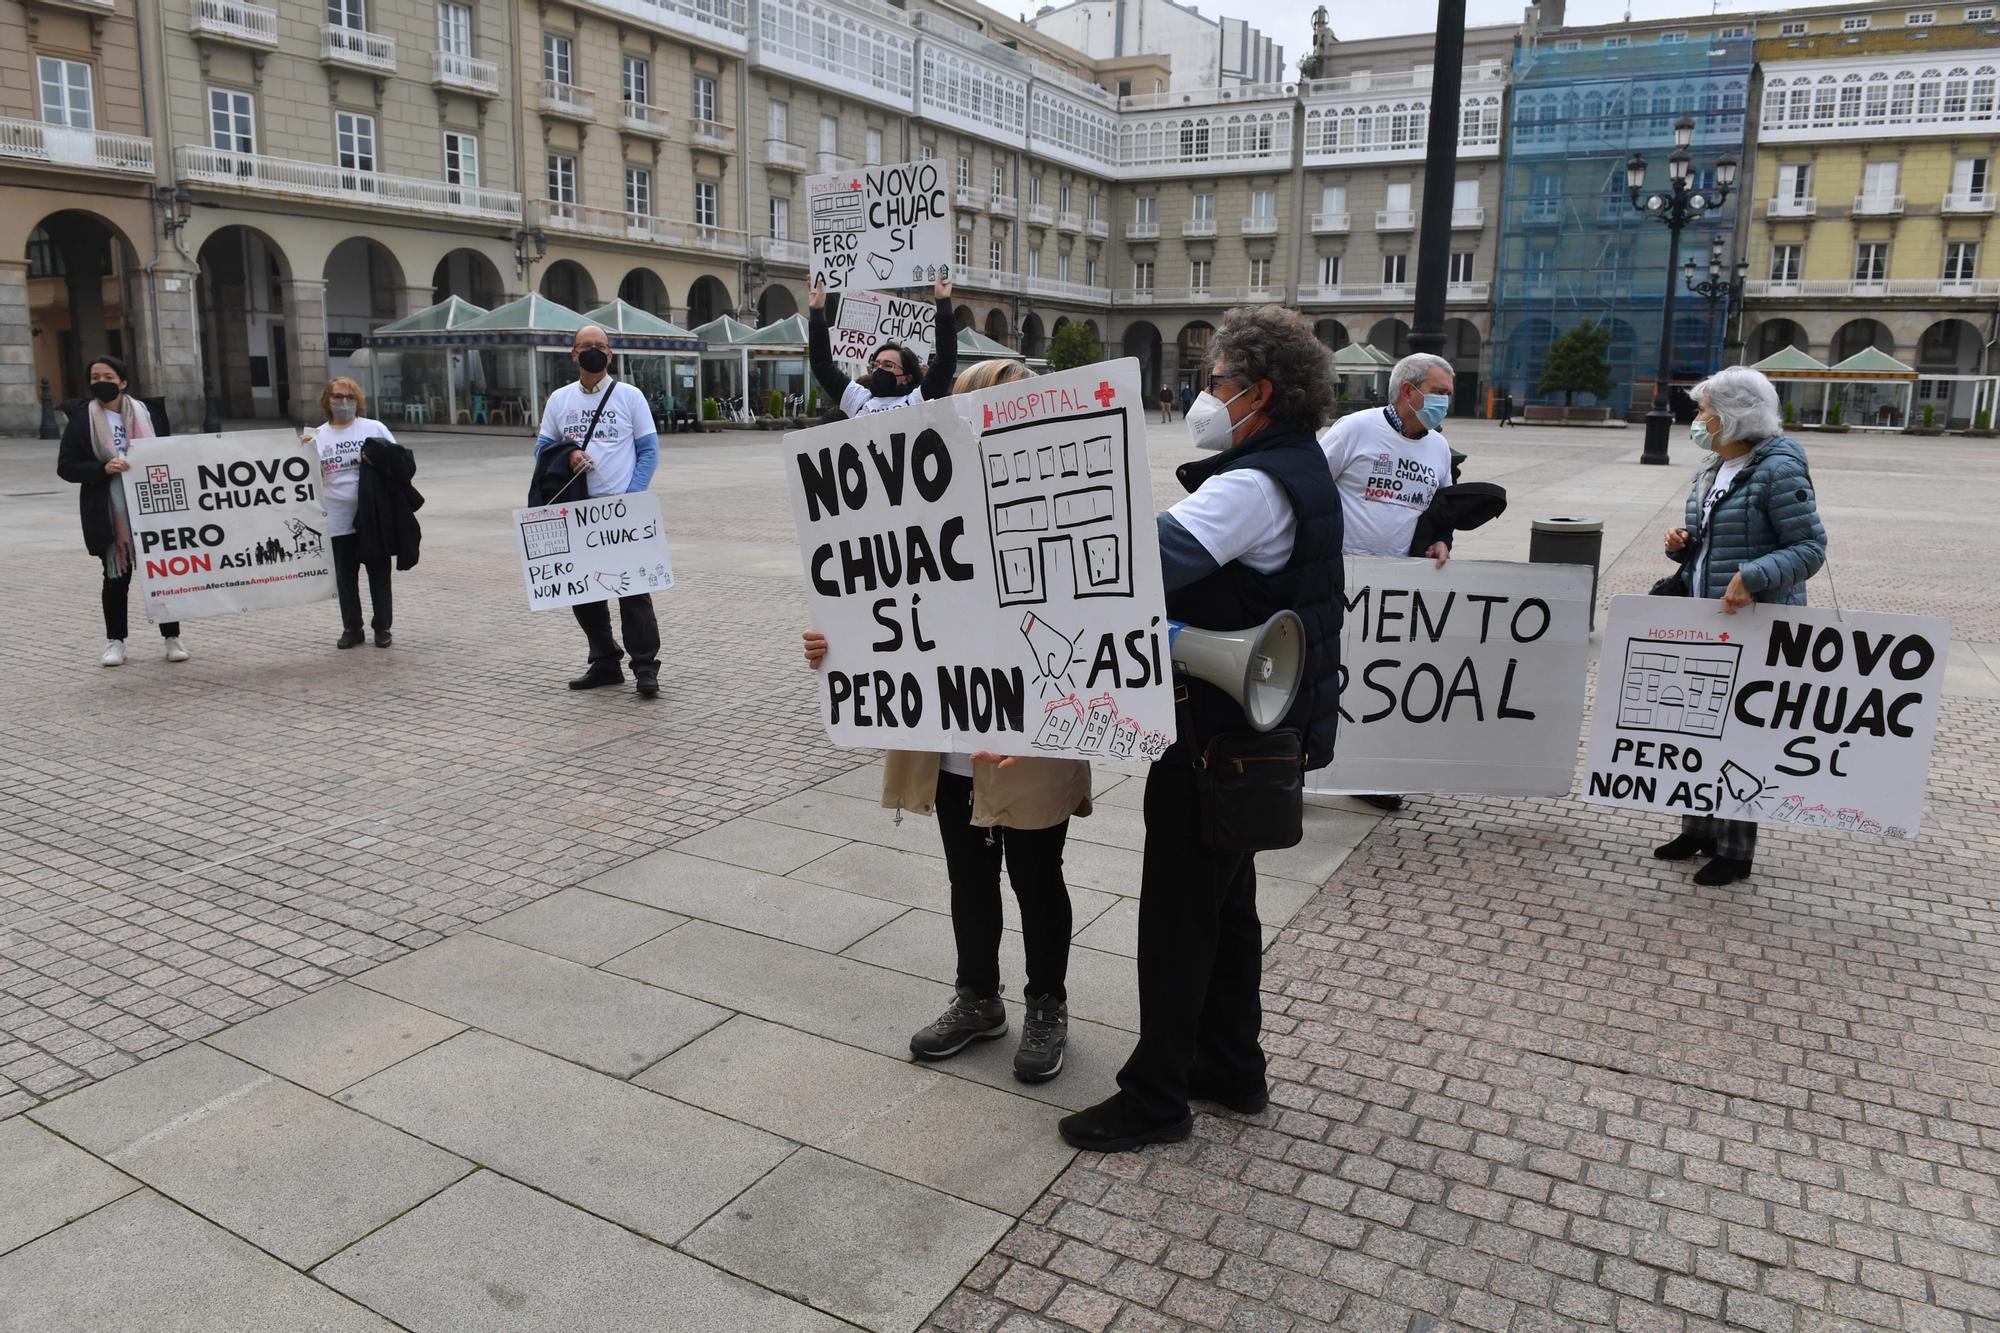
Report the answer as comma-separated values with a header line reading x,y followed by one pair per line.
x,y
1569,539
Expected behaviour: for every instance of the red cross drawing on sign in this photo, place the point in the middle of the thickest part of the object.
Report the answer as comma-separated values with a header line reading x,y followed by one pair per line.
x,y
854,185
564,511
1105,393
1725,636
157,475
989,418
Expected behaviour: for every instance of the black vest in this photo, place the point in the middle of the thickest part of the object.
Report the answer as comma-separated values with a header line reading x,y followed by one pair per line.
x,y
1238,597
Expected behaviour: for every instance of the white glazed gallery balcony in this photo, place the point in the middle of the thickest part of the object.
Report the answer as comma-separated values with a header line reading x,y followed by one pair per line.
x,y
1004,205
1142,231
1791,206
1329,224
646,120
357,48
236,22
1878,205
461,73
1969,201
784,155
1260,226
722,23
1198,227
87,150
568,101
217,169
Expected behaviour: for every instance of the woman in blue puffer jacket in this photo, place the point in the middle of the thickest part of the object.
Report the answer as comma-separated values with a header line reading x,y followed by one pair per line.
x,y
1758,540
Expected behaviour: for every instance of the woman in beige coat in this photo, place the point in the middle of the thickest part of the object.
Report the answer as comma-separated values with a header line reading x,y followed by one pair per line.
x,y
991,810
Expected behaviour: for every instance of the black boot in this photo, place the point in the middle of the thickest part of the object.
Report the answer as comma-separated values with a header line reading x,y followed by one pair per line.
x,y
599,675
383,638
649,682
349,638
1683,847
1722,870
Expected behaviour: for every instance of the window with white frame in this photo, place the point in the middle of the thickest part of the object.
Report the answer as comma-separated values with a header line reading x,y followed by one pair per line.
x,y
1970,176
1034,189
1062,197
455,29
1542,266
707,204
1614,43
1395,269
1146,209
562,178
874,153
638,192
1034,261
348,14
1142,275
778,123
1090,272
1795,181
231,122
1096,206
829,135
1062,268
1961,261
961,250
1733,34
1983,14
1464,195
1397,197
1569,44
1787,262
1792,28
1854,23
964,176
558,58
1461,267
1333,199
704,97
66,93
1879,181
636,79
461,159
1198,270
1871,261
993,255
1672,38
925,152
1920,18
999,179
1329,270
1202,208
354,141
1263,203
781,218
1260,273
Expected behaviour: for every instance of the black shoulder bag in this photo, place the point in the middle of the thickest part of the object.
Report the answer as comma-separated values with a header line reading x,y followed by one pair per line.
x,y
541,488
1251,785
1676,584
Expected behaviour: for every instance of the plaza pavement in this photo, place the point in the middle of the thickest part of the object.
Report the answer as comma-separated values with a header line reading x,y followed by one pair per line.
x,y
404,988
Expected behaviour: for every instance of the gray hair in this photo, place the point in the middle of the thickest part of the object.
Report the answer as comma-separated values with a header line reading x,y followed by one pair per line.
x,y
1415,369
1272,343
1744,402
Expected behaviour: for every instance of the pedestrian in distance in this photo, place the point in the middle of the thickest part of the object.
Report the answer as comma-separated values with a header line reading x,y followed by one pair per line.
x,y
896,376
1187,399
597,438
992,812
1752,534
1166,404
1387,464
1259,533
92,456
339,441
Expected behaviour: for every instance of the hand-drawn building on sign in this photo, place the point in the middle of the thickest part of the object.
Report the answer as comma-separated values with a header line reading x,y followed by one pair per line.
x,y
1059,507
1683,690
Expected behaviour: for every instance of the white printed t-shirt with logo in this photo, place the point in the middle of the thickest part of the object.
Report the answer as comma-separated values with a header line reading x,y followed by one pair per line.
x,y
1725,477
339,466
1385,480
856,401
627,418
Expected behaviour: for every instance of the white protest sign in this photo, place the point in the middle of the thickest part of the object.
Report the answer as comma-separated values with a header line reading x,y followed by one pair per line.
x,y
227,523
866,320
987,572
593,550
1778,714
1462,679
879,226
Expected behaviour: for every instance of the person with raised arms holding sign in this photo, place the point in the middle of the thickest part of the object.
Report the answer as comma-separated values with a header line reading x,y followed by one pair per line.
x,y
896,378
992,811
602,431
1753,535
92,455
1258,534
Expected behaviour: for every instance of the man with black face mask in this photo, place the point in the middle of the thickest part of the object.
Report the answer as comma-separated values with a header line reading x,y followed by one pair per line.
x,y
895,377
607,429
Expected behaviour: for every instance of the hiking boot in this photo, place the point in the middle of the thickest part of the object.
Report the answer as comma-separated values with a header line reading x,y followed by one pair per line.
x,y
1044,1036
1682,848
965,1020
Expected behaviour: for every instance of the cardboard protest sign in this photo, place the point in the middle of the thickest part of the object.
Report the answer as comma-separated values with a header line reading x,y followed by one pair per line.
x,y
987,573
879,226
593,549
1779,714
866,320
227,523
1462,679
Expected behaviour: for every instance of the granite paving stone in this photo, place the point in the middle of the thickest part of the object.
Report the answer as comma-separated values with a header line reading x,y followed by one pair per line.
x,y
335,1037
46,1182
748,900
760,845
581,926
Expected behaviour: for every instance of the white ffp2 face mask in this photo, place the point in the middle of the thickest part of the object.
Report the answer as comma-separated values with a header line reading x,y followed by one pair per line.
x,y
1208,421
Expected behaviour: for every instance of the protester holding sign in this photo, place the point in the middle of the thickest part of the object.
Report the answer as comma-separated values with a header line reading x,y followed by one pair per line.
x,y
604,431
339,442
896,378
92,455
1260,533
1388,465
1753,535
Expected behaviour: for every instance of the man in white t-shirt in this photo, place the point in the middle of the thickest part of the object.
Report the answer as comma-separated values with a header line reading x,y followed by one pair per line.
x,y
607,428
1388,465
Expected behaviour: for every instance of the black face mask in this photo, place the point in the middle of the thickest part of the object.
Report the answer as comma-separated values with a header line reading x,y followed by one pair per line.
x,y
105,393
883,383
593,359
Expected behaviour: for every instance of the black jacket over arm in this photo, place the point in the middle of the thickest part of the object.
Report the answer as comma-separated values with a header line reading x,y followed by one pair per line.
x,y
77,461
937,379
385,517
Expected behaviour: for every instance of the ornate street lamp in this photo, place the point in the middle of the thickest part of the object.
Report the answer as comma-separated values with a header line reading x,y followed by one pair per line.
x,y
1676,206
1718,289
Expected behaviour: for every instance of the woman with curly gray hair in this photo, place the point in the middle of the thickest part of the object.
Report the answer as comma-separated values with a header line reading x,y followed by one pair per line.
x,y
1752,534
1259,533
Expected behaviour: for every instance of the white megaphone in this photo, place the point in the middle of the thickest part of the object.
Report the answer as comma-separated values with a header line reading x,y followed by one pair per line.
x,y
1259,668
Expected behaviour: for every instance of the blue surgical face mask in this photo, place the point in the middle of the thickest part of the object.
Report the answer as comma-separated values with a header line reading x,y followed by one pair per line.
x,y
1432,413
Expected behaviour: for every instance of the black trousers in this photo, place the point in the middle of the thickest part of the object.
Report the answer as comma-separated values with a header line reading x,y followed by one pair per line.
x,y
115,593
1200,958
347,564
635,617
972,856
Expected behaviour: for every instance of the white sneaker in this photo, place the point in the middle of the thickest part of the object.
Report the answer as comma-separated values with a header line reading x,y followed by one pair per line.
x,y
114,653
176,651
